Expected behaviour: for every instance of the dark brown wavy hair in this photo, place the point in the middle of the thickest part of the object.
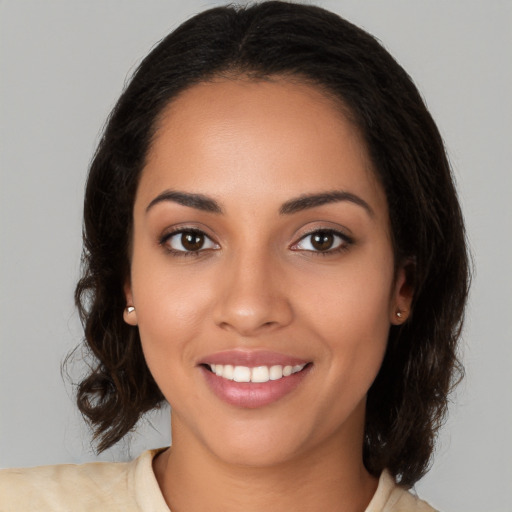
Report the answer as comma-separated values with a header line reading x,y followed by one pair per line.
x,y
408,400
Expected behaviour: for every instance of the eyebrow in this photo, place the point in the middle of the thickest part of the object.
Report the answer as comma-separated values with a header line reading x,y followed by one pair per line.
x,y
304,202
197,201
312,200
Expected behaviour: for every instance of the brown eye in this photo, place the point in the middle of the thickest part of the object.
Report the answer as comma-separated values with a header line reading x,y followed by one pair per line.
x,y
188,241
322,240
192,241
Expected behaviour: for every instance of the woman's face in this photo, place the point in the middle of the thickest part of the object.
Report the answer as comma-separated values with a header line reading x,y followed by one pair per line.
x,y
261,247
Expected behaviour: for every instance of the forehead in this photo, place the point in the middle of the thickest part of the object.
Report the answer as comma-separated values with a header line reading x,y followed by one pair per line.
x,y
245,137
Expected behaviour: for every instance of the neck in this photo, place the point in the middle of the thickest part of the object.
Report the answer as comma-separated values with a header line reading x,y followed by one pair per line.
x,y
328,478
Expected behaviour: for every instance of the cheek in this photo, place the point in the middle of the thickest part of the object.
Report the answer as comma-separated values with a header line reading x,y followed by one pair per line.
x,y
349,313
171,305
356,296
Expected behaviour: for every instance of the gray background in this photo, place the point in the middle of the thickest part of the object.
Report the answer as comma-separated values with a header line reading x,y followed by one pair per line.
x,y
62,66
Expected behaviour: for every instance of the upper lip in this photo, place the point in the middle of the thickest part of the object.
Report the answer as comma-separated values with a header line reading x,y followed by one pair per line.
x,y
251,358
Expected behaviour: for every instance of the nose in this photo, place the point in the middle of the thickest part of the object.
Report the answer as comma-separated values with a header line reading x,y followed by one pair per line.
x,y
252,299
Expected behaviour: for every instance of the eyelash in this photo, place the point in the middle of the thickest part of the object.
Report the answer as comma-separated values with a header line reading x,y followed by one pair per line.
x,y
345,242
181,231
344,245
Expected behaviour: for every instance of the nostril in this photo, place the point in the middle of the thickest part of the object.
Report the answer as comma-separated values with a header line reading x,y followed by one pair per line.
x,y
251,313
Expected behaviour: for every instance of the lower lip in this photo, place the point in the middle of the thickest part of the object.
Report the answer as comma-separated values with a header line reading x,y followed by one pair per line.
x,y
251,395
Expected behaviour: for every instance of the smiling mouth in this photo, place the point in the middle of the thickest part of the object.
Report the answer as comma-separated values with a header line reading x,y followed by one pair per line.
x,y
242,379
257,374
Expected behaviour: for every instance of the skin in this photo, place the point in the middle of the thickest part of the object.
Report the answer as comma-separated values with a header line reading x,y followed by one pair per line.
x,y
258,283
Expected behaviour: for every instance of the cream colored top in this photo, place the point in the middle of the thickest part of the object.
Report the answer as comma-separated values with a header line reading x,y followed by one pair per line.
x,y
131,487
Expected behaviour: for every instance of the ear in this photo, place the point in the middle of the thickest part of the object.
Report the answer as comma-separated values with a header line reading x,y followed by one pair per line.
x,y
403,293
129,313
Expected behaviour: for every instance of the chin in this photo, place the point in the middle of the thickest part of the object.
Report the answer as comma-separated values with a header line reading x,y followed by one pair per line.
x,y
256,453
263,441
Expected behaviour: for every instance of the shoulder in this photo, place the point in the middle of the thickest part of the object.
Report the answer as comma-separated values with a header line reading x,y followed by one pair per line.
x,y
390,497
402,500
96,486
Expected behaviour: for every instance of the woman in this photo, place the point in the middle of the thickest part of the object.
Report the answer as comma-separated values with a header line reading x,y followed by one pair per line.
x,y
273,244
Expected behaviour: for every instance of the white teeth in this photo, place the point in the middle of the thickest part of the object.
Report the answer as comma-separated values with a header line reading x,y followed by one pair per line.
x,y
228,371
259,374
256,374
276,372
242,374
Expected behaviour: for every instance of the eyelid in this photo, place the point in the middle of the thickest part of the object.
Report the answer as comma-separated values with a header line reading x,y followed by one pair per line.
x,y
346,241
179,230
